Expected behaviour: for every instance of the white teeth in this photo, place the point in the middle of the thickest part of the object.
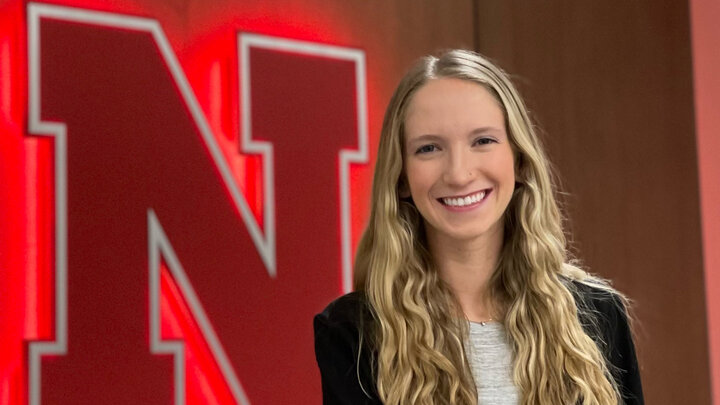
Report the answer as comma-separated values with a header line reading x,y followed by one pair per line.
x,y
461,202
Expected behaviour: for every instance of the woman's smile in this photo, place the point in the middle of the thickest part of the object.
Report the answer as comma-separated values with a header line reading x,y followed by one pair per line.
x,y
466,202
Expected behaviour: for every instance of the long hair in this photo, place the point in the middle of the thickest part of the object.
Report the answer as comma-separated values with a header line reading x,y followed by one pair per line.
x,y
420,331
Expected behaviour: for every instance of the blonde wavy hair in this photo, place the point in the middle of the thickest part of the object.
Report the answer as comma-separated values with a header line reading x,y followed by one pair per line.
x,y
419,329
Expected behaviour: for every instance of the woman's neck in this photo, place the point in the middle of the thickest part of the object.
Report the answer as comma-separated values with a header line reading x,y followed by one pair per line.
x,y
467,266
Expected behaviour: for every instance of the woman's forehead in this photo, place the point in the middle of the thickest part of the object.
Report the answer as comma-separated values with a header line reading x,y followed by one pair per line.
x,y
450,105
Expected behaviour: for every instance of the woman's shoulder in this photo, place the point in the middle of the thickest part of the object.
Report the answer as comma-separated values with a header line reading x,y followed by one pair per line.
x,y
596,298
348,316
602,310
345,367
603,313
349,309
595,294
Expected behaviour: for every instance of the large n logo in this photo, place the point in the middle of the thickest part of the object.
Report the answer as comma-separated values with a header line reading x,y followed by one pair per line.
x,y
149,216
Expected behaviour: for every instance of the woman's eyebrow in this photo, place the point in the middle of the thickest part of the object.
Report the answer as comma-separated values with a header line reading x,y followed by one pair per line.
x,y
424,138
486,130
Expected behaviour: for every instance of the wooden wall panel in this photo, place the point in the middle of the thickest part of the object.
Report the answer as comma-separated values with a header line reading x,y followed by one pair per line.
x,y
611,85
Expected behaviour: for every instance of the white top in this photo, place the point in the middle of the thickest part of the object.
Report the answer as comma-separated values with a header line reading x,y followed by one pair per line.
x,y
490,357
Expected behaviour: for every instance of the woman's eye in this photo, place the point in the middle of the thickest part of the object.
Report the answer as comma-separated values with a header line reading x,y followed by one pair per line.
x,y
426,149
484,141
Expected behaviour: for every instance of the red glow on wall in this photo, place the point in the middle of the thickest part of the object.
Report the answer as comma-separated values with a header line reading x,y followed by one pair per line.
x,y
26,215
5,78
17,201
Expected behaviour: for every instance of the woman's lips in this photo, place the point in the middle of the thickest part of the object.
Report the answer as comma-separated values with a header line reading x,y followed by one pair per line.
x,y
466,200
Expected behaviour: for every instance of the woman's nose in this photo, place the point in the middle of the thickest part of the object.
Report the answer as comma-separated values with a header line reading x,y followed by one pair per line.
x,y
458,169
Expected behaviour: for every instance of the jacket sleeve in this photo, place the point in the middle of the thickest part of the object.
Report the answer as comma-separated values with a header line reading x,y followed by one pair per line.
x,y
620,351
336,351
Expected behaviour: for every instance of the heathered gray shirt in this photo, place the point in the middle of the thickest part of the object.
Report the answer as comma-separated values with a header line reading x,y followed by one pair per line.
x,y
490,358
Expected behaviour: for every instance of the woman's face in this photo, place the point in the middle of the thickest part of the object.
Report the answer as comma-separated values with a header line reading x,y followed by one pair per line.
x,y
457,159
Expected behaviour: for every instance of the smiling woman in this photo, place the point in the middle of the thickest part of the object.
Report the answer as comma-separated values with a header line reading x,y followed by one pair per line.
x,y
464,293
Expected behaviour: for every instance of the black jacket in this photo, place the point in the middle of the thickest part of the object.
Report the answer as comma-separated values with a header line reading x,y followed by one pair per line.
x,y
337,342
